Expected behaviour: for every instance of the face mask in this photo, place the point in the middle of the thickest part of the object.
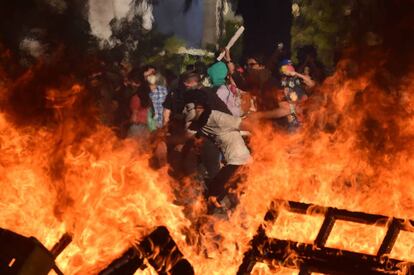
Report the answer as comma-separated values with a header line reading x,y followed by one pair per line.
x,y
152,79
287,69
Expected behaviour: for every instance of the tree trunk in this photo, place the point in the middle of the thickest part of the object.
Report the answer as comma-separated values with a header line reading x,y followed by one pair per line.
x,y
210,23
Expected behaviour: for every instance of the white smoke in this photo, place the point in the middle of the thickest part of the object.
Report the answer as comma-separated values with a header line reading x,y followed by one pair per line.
x,y
145,10
101,12
32,47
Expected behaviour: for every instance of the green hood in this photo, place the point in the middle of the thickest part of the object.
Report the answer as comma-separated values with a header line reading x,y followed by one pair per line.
x,y
218,73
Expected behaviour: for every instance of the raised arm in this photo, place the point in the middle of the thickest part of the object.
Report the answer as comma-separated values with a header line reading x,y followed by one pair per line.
x,y
306,79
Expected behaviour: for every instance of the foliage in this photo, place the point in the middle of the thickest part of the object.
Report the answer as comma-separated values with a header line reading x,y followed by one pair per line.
x,y
134,42
230,29
167,58
323,24
130,43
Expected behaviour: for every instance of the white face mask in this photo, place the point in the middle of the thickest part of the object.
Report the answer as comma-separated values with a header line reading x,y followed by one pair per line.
x,y
152,79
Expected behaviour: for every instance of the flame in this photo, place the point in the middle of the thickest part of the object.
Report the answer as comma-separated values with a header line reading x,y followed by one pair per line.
x,y
367,241
263,269
403,248
355,152
109,213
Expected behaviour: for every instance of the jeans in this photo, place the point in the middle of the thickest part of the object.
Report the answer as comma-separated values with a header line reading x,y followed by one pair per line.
x,y
210,157
217,185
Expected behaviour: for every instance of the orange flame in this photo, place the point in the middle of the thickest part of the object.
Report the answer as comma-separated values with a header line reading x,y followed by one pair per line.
x,y
355,152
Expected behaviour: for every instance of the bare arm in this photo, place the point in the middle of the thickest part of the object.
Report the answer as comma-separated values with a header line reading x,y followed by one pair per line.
x,y
306,79
230,64
166,116
252,120
282,111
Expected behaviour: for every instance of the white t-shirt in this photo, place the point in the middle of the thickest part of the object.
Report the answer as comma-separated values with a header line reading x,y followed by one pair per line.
x,y
232,100
224,129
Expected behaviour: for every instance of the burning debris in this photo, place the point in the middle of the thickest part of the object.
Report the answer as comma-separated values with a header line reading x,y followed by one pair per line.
x,y
317,257
159,250
21,255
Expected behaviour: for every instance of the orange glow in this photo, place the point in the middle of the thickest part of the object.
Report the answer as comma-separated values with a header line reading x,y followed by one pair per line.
x,y
403,248
264,269
355,152
367,240
295,227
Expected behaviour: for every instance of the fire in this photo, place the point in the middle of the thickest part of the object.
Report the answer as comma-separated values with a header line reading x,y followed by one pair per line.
x,y
99,189
114,197
355,152
403,248
367,241
301,228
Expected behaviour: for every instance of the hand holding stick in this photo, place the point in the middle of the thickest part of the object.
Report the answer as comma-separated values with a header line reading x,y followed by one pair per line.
x,y
232,41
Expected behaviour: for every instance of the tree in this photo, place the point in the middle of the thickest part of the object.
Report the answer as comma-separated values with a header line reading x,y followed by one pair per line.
x,y
210,20
51,25
267,22
331,26
53,39
322,24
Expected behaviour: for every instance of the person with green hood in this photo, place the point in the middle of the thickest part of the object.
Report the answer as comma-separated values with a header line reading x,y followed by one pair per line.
x,y
218,73
227,91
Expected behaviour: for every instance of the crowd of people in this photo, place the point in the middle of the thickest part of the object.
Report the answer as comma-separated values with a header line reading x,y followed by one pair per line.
x,y
198,123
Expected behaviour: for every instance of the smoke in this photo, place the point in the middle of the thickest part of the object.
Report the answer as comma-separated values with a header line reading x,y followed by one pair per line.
x,y
145,10
32,47
101,13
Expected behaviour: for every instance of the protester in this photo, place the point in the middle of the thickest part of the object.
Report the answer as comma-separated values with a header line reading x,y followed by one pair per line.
x,y
292,79
294,92
227,92
194,126
218,74
174,102
232,96
239,102
259,81
141,109
174,106
158,93
224,130
181,162
121,99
